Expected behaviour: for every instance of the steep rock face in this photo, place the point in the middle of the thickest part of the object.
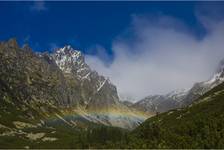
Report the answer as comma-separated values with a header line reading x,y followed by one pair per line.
x,y
97,92
104,97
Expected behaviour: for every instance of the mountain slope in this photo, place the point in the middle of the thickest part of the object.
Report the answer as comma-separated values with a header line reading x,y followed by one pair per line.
x,y
180,98
198,126
161,103
202,87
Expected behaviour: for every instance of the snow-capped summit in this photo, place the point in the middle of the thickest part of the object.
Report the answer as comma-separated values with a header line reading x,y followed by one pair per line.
x,y
69,60
72,61
68,50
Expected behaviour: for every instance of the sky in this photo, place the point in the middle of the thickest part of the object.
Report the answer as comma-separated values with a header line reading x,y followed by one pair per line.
x,y
145,48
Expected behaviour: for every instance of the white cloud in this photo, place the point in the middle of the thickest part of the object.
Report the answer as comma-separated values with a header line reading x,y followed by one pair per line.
x,y
38,6
160,55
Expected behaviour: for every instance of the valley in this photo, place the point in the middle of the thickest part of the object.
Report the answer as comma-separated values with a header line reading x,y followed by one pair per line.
x,y
55,100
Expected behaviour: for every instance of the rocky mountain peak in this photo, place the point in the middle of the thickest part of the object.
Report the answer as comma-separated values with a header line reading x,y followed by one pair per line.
x,y
69,60
68,50
96,87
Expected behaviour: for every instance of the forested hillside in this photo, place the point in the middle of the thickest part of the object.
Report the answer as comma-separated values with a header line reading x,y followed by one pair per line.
x,y
201,125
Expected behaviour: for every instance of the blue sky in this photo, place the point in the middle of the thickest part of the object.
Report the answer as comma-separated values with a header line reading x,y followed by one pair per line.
x,y
82,24
145,48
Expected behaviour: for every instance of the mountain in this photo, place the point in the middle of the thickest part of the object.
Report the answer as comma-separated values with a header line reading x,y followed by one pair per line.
x,y
161,103
198,126
127,103
202,87
180,98
60,88
126,98
97,92
45,106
